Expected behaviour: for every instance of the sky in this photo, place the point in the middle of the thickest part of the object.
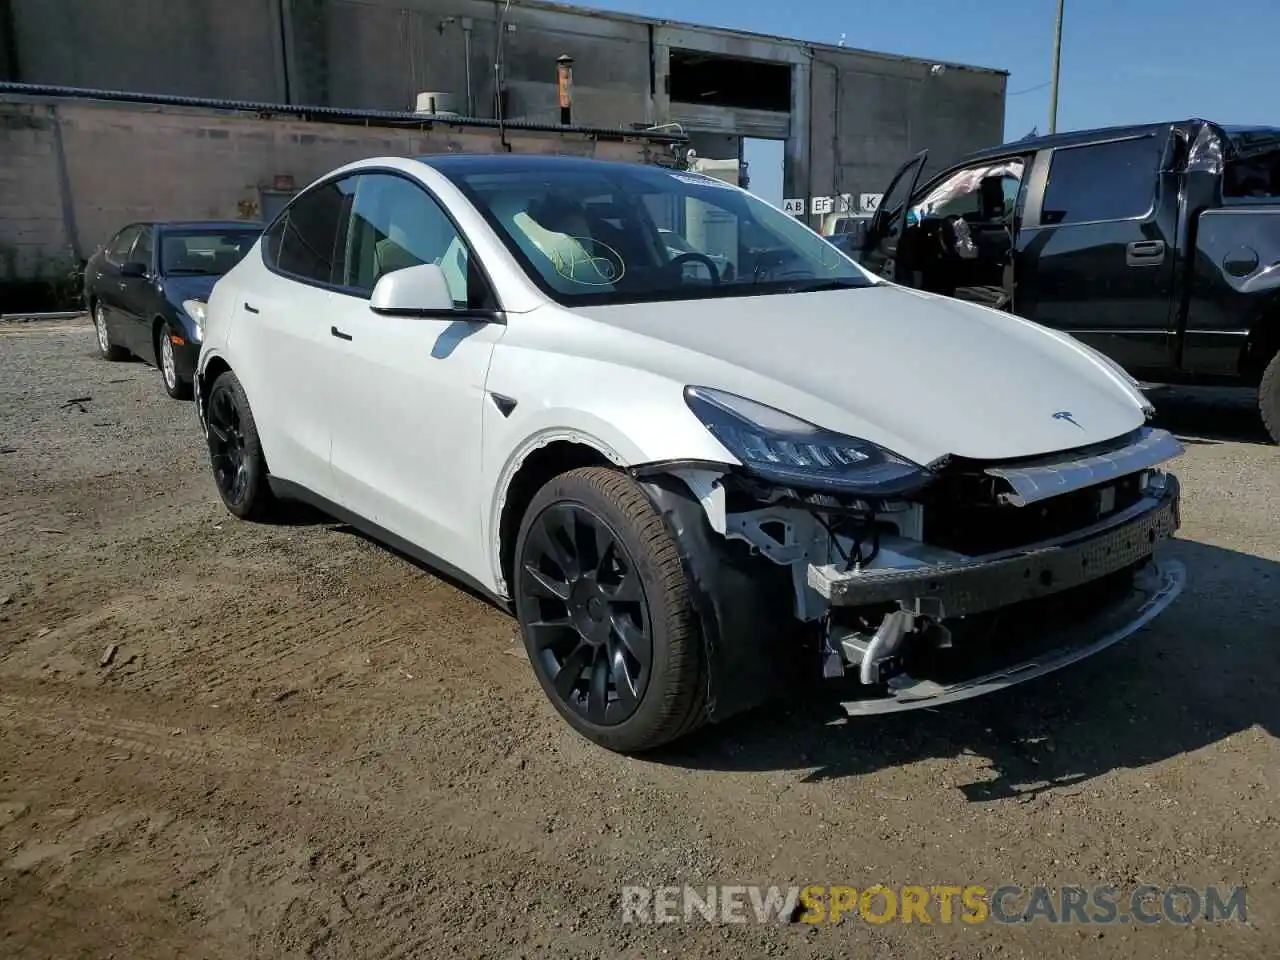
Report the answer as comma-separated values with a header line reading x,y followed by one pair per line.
x,y
1123,61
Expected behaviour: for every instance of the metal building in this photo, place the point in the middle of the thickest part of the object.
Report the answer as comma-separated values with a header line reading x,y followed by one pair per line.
x,y
847,116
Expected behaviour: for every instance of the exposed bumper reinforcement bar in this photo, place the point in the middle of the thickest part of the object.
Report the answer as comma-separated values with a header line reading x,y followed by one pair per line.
x,y
975,585
1155,587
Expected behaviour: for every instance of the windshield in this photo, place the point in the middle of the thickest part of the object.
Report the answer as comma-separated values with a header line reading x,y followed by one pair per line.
x,y
627,234
204,253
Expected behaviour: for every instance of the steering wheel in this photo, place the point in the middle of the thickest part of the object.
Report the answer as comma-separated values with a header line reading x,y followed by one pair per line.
x,y
946,234
680,260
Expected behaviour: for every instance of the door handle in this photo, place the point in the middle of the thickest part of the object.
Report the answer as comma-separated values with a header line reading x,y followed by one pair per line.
x,y
1144,253
250,308
339,334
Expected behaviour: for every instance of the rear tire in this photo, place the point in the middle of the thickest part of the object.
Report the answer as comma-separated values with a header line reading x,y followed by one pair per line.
x,y
606,613
106,349
174,385
235,452
1269,398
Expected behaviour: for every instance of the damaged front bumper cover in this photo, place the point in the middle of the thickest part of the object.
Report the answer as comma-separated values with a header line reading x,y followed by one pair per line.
x,y
976,585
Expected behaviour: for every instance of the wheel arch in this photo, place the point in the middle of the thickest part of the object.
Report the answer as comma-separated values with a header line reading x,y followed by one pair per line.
x,y
212,369
533,469
157,326
1263,342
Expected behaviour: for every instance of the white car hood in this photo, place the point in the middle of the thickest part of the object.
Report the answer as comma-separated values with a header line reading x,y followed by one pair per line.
x,y
922,375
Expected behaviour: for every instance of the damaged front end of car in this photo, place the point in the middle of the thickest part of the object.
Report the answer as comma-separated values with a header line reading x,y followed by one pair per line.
x,y
911,586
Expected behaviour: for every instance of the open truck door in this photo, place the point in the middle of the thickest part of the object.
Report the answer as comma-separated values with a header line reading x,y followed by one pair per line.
x,y
883,251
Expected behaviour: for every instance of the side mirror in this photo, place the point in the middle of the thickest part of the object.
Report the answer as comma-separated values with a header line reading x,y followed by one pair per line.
x,y
133,269
412,291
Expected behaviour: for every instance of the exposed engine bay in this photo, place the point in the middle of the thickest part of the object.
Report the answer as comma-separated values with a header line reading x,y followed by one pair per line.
x,y
992,574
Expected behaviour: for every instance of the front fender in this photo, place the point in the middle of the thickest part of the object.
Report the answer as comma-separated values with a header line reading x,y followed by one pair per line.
x,y
751,640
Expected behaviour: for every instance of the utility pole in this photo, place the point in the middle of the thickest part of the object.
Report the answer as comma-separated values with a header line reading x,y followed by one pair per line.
x,y
1057,64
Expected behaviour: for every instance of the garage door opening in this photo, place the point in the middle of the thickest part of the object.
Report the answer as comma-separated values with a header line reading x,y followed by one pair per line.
x,y
718,81
765,162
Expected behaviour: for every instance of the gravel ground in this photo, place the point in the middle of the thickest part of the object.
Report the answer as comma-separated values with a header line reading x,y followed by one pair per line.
x,y
224,740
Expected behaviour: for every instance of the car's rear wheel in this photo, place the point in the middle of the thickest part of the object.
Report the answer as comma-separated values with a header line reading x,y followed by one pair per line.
x,y
235,452
605,611
174,384
106,349
1269,398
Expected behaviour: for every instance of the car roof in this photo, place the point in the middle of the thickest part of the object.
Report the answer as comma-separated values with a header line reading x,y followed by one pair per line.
x,y
1240,135
456,164
1070,139
203,225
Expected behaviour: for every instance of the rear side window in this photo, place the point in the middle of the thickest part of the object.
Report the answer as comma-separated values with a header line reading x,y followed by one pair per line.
x,y
305,241
1102,181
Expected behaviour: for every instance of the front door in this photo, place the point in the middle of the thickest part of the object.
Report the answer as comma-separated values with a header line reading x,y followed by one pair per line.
x,y
1096,249
885,252
407,404
963,227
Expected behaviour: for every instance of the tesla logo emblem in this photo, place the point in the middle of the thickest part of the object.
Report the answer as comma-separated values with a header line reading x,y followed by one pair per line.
x,y
1066,415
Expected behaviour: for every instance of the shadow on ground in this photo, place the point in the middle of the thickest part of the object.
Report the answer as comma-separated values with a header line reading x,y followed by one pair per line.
x,y
1208,668
1209,414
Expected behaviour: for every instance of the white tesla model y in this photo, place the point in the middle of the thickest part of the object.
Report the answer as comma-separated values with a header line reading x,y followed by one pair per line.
x,y
690,469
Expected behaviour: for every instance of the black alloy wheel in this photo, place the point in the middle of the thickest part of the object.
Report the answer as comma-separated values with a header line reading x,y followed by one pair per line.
x,y
588,615
235,452
606,612
227,447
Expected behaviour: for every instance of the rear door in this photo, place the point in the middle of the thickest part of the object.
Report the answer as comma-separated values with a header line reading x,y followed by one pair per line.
x,y
1096,248
283,351
108,285
137,297
883,253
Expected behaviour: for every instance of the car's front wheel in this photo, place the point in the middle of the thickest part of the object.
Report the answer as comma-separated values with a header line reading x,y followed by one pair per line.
x,y
606,614
174,384
235,452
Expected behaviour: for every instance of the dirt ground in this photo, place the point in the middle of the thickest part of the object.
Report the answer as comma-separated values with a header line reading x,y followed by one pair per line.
x,y
303,745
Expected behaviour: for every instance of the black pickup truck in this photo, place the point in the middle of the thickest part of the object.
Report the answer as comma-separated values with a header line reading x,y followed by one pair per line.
x,y
1158,244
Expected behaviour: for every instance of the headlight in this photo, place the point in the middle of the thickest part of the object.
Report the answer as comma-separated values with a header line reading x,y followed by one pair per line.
x,y
195,310
785,449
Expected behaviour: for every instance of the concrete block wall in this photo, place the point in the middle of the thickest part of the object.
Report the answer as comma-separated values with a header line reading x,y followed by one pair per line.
x,y
33,238
126,162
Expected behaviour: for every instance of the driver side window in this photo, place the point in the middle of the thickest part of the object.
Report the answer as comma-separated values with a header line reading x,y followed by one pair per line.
x,y
396,224
982,194
121,244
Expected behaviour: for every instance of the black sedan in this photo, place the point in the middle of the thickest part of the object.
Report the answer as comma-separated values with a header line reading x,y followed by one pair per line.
x,y
145,289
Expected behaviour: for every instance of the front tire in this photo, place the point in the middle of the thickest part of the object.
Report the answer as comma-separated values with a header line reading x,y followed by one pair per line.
x,y
606,614
235,452
1269,398
174,385
106,349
